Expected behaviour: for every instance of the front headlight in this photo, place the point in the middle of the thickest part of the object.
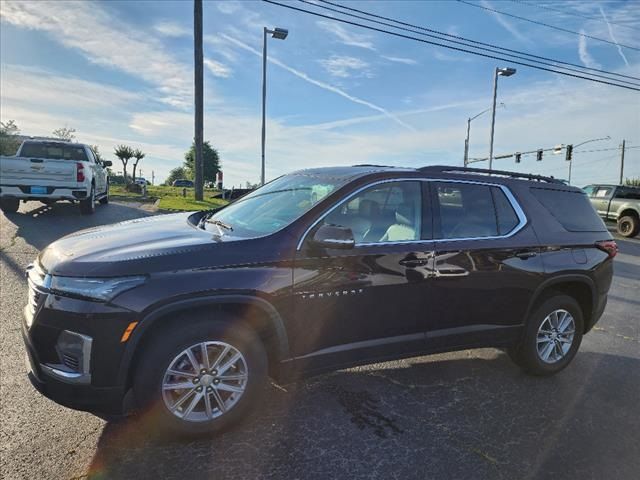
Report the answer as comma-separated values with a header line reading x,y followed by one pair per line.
x,y
102,289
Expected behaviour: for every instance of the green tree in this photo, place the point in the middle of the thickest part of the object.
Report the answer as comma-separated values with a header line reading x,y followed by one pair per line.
x,y
9,143
65,133
632,182
138,155
175,174
124,153
210,159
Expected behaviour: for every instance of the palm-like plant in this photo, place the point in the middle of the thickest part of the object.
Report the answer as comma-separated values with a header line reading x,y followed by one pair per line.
x,y
138,155
124,153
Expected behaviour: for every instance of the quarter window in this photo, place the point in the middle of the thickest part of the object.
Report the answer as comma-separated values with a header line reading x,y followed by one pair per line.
x,y
473,211
389,212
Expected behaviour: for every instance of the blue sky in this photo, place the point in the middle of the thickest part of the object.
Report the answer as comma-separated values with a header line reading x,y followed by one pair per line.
x,y
122,72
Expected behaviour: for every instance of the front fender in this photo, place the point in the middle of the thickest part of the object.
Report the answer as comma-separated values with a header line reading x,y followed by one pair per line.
x,y
151,318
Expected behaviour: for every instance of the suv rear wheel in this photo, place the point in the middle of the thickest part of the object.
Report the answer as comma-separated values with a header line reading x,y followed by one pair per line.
x,y
628,226
201,379
552,338
9,205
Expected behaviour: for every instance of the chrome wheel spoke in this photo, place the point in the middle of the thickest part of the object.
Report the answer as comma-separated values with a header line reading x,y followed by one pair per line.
x,y
192,359
182,399
219,400
226,378
196,399
178,386
221,356
205,355
230,363
229,388
179,373
207,406
547,351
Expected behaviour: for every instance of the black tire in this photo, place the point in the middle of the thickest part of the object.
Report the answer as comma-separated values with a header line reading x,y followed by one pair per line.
x,y
168,345
526,354
88,206
9,205
105,199
628,226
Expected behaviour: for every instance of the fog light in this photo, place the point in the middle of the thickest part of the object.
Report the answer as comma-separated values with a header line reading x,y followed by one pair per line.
x,y
74,351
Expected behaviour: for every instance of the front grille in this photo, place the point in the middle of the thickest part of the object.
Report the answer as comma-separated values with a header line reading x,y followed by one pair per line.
x,y
71,361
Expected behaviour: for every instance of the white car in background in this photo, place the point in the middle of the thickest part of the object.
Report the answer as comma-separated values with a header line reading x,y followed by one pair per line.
x,y
53,170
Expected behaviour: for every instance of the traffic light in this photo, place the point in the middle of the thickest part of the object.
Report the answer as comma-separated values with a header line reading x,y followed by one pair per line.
x,y
539,155
569,153
518,157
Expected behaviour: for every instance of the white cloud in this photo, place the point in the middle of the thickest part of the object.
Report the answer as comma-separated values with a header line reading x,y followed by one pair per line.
x,y
92,31
217,69
344,66
228,7
318,83
406,61
172,29
585,56
345,36
613,38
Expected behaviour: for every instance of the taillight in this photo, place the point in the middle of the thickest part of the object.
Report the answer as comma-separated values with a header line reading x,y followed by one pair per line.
x,y
609,246
79,172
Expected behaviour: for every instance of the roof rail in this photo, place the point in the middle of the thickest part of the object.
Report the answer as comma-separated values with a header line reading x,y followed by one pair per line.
x,y
528,176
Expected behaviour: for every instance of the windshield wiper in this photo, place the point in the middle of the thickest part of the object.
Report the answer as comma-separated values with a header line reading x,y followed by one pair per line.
x,y
219,223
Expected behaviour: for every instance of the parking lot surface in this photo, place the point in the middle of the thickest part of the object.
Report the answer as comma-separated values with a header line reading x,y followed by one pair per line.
x,y
469,414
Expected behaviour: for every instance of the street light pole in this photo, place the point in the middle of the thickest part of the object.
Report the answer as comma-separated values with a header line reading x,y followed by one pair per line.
x,y
504,72
280,34
466,140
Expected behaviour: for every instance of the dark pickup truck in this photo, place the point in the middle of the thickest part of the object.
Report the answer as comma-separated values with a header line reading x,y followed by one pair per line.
x,y
617,203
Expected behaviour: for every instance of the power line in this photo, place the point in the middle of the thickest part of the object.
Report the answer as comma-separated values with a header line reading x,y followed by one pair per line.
x,y
422,40
575,14
605,149
466,42
524,19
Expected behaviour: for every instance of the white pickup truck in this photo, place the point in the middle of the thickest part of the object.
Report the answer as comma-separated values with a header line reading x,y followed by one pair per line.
x,y
50,170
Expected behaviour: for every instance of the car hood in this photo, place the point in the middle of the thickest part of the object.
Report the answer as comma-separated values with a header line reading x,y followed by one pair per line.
x,y
140,246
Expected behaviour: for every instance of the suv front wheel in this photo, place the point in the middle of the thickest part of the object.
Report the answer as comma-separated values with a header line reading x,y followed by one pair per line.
x,y
203,378
552,336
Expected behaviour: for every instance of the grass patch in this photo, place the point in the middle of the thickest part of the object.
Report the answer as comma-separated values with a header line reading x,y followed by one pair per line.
x,y
170,197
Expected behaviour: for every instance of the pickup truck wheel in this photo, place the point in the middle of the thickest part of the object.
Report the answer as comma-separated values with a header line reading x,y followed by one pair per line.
x,y
552,336
104,200
628,226
9,205
201,379
88,206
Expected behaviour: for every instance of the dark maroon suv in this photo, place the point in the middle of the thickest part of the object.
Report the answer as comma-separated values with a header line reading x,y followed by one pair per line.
x,y
320,269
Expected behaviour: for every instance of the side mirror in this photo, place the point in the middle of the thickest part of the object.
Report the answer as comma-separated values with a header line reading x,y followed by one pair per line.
x,y
334,236
107,163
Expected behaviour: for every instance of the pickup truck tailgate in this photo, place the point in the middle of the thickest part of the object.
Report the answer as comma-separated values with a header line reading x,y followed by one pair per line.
x,y
37,171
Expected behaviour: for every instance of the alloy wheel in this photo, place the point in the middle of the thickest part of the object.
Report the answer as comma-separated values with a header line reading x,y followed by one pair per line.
x,y
555,336
204,381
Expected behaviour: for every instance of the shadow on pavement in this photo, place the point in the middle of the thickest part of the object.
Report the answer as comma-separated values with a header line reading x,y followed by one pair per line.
x,y
434,417
44,224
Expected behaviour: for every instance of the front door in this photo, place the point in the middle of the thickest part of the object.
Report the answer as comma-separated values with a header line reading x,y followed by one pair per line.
x,y
369,301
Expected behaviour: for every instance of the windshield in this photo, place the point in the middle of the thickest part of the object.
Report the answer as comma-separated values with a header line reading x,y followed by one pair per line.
x,y
275,205
58,151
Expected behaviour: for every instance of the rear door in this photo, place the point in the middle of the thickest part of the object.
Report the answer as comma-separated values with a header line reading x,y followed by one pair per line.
x,y
487,264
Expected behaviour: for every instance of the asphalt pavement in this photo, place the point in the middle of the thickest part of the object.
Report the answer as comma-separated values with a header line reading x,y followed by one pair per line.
x,y
469,414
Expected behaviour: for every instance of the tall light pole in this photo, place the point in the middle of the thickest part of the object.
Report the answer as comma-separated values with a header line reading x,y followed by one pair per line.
x,y
199,102
466,140
280,34
579,145
502,72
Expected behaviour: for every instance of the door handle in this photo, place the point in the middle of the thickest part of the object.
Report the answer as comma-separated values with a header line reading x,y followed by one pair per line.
x,y
526,254
414,262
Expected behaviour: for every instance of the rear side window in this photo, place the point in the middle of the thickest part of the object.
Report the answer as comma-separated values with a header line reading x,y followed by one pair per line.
x,y
572,209
58,151
473,211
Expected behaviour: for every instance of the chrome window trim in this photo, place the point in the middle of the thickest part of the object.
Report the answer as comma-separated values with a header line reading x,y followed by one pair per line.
x,y
522,218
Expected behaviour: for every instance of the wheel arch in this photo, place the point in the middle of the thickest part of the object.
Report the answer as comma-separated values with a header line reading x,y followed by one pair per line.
x,y
257,313
628,212
580,287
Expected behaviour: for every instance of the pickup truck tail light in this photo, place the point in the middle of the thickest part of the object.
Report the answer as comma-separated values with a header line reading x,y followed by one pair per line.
x,y
608,246
79,172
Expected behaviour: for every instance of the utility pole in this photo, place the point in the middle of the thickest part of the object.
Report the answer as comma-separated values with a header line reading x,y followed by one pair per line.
x,y
198,62
153,177
499,72
622,162
466,144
